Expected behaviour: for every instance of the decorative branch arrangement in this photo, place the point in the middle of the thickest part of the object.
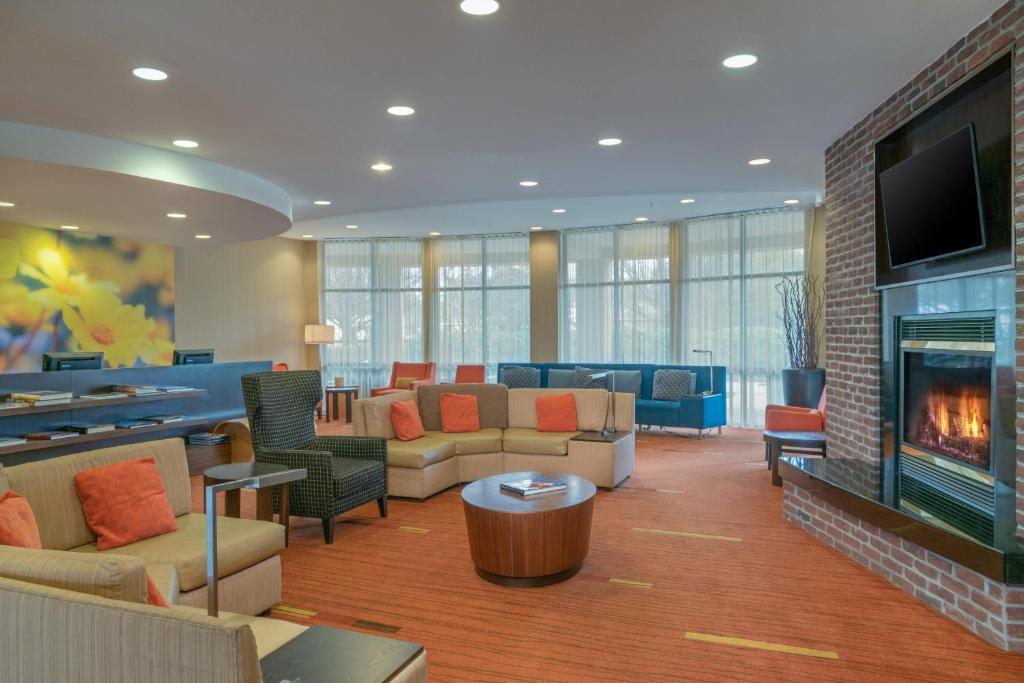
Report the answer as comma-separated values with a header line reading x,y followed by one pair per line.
x,y
803,306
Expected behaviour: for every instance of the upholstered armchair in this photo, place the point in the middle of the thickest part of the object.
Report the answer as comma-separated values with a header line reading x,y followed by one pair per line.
x,y
412,374
344,472
470,374
795,419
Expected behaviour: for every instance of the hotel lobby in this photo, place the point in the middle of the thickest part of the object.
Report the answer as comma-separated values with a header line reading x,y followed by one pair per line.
x,y
511,340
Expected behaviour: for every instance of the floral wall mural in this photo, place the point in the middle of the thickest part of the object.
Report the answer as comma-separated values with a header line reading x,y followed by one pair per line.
x,y
68,292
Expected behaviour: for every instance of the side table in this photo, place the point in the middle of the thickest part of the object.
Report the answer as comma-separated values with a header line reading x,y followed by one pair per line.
x,y
332,394
798,443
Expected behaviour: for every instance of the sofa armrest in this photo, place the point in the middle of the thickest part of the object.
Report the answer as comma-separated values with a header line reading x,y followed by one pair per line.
x,y
355,447
702,411
106,575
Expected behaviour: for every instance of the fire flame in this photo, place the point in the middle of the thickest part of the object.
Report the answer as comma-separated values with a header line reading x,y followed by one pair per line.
x,y
959,415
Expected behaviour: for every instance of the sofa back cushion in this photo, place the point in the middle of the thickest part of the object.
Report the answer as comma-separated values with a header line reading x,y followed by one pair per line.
x,y
49,486
460,413
492,404
591,407
372,416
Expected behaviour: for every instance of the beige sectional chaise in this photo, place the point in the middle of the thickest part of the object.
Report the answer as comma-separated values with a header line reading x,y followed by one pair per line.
x,y
249,563
508,440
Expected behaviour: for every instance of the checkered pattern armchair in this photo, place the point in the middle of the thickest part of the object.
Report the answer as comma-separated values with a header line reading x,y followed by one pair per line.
x,y
344,472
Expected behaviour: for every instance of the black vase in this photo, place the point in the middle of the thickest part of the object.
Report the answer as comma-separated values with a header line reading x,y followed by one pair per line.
x,y
803,386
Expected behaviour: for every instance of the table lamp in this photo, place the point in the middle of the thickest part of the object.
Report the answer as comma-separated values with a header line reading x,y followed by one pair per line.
x,y
319,334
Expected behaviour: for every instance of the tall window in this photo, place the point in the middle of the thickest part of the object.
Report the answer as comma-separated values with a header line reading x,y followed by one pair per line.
x,y
481,302
373,295
615,295
730,268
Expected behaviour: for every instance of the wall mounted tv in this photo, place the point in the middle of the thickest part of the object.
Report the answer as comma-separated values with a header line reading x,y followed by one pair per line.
x,y
931,202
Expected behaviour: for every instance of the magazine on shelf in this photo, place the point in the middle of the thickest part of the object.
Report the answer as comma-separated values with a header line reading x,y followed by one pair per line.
x,y
133,424
11,441
172,389
531,487
133,390
164,419
50,436
104,395
88,428
11,405
40,395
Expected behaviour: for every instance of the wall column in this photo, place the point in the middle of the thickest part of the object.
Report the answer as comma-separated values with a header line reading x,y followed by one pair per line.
x,y
544,274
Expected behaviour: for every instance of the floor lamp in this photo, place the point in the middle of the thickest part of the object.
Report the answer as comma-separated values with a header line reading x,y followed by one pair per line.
x,y
711,371
609,377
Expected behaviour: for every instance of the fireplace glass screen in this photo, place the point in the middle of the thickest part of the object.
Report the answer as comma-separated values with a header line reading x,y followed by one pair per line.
x,y
947,405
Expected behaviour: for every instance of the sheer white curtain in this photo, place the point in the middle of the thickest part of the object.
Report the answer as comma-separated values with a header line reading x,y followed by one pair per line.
x,y
481,302
615,295
373,295
731,265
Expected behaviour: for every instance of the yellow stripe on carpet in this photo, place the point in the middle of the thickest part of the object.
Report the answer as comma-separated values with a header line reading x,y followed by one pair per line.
x,y
687,534
762,645
293,611
669,490
414,529
632,584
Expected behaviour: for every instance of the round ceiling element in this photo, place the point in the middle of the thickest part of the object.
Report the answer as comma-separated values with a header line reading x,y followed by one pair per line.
x,y
740,61
351,227
6,205
322,202
187,144
479,7
536,227
760,161
307,237
203,237
641,219
688,200
558,210
69,227
382,167
434,234
609,142
791,201
401,110
147,73
529,183
177,215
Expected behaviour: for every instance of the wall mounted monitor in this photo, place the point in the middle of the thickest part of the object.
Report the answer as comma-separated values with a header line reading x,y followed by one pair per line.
x,y
193,356
53,362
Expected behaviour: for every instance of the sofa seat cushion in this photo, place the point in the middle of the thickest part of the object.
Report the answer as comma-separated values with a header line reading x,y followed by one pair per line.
x,y
419,453
531,441
653,412
471,443
241,544
270,634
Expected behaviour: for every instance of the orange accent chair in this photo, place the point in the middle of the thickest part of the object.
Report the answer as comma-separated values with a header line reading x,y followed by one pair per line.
x,y
424,373
796,419
469,374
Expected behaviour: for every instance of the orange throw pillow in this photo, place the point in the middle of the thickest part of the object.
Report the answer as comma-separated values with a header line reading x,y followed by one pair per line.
x,y
155,597
405,418
556,413
460,413
17,523
125,502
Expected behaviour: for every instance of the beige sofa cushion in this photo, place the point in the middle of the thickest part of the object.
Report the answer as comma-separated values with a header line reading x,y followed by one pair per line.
x,y
492,403
419,453
117,577
49,486
377,413
471,443
241,543
537,443
591,407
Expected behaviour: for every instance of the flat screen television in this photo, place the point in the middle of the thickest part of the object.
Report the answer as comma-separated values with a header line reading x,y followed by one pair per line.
x,y
931,202
53,362
192,357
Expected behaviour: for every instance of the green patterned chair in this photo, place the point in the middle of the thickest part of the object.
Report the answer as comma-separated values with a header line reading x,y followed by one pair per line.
x,y
344,471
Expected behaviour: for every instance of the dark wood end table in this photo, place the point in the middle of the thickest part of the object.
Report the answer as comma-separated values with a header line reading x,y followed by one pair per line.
x,y
266,476
797,443
528,541
332,393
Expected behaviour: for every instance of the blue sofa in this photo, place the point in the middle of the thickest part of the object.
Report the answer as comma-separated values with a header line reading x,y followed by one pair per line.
x,y
698,411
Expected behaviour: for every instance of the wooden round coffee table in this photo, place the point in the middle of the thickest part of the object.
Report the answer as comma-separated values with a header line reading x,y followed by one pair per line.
x,y
528,541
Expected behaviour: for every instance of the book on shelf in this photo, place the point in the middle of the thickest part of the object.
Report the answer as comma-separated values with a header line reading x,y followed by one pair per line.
x,y
134,390
207,439
11,405
49,402
133,424
88,428
164,419
103,395
531,487
168,389
39,395
11,441
50,436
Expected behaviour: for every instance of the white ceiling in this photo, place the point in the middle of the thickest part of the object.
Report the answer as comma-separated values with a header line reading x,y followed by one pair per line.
x,y
294,92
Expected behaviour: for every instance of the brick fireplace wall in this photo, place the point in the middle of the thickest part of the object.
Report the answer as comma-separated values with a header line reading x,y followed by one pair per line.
x,y
852,312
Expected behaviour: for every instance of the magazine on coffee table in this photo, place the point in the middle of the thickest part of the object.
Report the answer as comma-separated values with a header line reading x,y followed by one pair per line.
x,y
531,487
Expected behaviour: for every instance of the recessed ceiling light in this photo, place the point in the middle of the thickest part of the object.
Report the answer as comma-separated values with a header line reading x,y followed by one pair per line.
x,y
147,73
609,142
529,183
69,227
434,234
559,210
536,227
322,202
791,201
479,7
177,215
382,167
401,110
641,219
759,161
7,205
203,237
351,227
187,144
739,61
688,200
307,237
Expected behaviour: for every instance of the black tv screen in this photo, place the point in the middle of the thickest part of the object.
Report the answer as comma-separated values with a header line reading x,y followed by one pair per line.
x,y
932,204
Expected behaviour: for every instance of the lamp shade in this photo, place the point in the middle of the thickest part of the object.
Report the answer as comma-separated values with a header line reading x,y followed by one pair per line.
x,y
319,334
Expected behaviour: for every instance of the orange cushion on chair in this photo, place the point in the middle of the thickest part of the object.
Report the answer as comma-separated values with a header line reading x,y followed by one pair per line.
x,y
405,418
556,413
17,523
796,420
125,502
405,382
460,413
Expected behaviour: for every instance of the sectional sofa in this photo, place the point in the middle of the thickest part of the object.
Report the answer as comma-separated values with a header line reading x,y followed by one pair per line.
x,y
508,440
698,410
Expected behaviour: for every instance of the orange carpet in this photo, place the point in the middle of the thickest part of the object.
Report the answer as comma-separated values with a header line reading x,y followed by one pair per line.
x,y
650,604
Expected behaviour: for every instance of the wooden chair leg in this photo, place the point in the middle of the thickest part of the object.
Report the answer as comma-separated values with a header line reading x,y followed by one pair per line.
x,y
328,530
382,506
